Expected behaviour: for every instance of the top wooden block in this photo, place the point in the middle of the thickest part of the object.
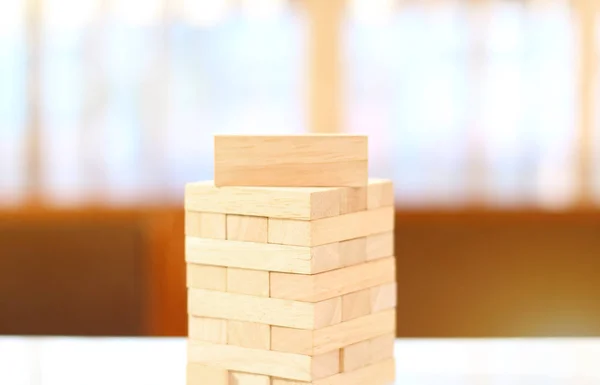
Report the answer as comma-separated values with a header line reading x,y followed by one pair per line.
x,y
291,160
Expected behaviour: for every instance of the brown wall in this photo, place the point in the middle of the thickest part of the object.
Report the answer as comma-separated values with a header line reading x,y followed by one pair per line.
x,y
115,272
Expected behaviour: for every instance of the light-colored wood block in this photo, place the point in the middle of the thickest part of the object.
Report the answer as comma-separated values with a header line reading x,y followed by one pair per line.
x,y
326,364
355,356
261,256
356,304
251,282
236,378
353,199
246,228
265,362
271,311
381,373
353,251
206,277
329,230
249,335
330,284
380,193
292,340
198,374
381,220
291,160
333,337
380,245
277,202
205,225
207,329
281,381
383,297
381,348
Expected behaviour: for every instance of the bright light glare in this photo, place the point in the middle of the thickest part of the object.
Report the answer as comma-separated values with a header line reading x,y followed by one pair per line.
x,y
138,12
372,11
11,16
69,14
205,13
263,9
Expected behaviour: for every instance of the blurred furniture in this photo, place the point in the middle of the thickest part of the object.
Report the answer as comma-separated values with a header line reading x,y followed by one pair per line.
x,y
460,274
69,361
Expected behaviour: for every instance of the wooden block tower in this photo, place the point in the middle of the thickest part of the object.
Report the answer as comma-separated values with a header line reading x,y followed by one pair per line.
x,y
290,265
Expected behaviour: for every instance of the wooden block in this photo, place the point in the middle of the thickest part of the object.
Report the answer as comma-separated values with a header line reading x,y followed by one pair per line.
x,y
198,374
207,329
292,340
356,304
261,256
381,220
237,378
206,277
291,160
353,199
380,245
249,335
205,225
265,362
281,381
380,193
333,337
271,311
353,251
355,356
382,373
330,284
326,364
304,203
383,297
251,282
246,228
381,348
329,230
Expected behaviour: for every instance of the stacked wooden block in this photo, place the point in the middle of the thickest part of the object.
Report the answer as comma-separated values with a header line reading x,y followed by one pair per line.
x,y
290,285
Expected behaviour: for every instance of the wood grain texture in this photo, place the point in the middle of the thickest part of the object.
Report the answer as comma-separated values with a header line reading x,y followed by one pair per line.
x,y
206,277
260,256
205,225
246,228
355,356
381,373
380,245
330,284
380,193
291,160
265,362
251,282
383,297
304,203
249,334
236,378
353,199
367,352
353,251
333,229
356,304
271,311
208,329
333,337
198,374
381,348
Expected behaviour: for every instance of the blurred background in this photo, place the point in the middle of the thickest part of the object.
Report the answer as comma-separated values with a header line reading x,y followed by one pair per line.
x,y
483,112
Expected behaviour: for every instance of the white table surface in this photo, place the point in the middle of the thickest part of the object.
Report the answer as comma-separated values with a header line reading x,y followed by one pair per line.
x,y
155,361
